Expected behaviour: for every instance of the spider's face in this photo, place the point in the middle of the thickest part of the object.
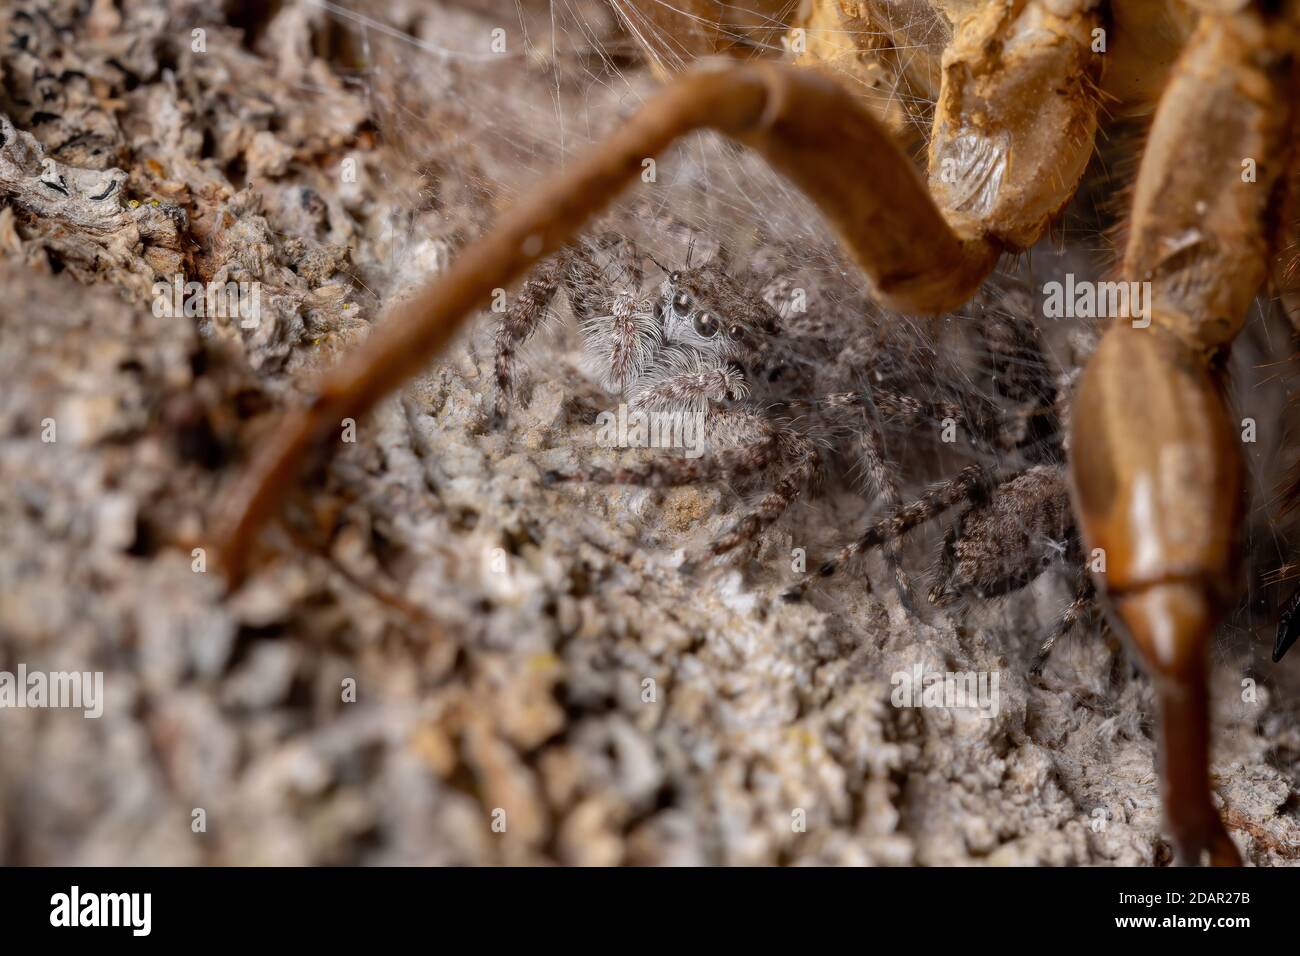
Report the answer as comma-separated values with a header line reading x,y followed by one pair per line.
x,y
706,311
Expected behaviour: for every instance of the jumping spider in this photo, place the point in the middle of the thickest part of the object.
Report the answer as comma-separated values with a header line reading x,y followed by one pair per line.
x,y
787,401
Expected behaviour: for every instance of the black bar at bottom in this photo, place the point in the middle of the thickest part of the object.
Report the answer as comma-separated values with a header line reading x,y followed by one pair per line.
x,y
334,906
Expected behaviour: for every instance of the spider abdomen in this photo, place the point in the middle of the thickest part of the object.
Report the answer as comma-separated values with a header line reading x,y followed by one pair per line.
x,y
1003,543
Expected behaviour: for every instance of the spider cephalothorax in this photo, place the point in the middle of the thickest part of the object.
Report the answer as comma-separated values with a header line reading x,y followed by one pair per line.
x,y
705,309
695,338
711,340
715,339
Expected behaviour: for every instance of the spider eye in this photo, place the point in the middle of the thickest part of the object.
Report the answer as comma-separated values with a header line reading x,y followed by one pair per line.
x,y
682,304
736,332
674,277
706,325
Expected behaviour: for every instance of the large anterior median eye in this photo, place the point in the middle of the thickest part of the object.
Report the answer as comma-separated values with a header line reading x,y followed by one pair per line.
x,y
706,325
682,304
